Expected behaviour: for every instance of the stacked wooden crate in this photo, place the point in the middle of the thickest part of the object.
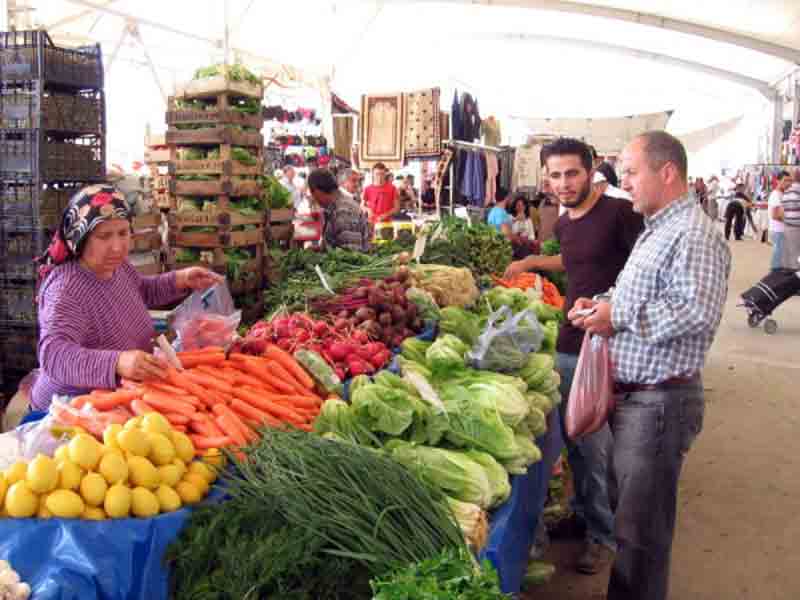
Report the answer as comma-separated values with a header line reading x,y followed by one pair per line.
x,y
217,212
156,159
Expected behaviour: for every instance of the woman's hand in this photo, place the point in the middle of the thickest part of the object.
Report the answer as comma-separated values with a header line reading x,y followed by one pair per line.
x,y
140,366
196,278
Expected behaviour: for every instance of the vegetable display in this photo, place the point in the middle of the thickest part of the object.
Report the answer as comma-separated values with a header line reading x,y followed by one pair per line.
x,y
449,286
234,72
477,246
142,468
526,281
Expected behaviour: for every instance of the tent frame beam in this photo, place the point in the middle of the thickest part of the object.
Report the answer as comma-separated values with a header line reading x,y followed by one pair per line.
x,y
640,18
757,84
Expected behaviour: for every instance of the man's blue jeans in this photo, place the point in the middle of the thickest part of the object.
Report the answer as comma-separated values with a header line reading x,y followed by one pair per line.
x,y
777,249
590,460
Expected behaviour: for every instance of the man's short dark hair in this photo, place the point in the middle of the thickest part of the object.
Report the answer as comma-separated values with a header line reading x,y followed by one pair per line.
x,y
501,194
609,173
593,151
322,180
783,174
379,166
565,146
660,148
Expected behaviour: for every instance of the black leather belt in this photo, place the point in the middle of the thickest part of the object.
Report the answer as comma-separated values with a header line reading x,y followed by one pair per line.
x,y
632,388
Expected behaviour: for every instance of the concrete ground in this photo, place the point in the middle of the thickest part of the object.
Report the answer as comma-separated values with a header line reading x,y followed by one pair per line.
x,y
738,532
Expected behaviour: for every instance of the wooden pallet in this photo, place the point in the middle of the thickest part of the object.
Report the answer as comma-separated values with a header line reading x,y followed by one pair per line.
x,y
146,221
217,115
225,186
215,167
220,217
147,263
146,241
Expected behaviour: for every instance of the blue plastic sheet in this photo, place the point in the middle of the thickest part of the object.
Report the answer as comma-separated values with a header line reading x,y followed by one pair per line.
x,y
513,525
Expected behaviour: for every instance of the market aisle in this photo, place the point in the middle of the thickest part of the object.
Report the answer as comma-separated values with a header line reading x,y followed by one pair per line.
x,y
738,522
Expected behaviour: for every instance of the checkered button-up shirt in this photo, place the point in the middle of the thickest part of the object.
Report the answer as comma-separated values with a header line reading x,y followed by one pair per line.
x,y
667,304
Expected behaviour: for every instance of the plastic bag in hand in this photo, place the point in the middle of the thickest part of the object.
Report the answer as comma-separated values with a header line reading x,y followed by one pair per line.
x,y
591,398
207,318
506,340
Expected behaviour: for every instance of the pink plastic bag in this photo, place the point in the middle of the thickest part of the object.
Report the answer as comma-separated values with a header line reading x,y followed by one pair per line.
x,y
591,398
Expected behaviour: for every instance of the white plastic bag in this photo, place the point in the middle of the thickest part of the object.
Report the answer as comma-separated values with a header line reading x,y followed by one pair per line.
x,y
207,318
506,341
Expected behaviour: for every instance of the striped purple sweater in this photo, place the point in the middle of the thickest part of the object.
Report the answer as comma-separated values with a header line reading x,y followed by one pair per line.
x,y
87,322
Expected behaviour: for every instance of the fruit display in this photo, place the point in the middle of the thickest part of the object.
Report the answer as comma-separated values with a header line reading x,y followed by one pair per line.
x,y
142,468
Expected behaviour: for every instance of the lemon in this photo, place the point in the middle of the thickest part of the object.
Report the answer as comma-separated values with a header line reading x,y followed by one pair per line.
x,y
118,501
184,447
205,471
197,481
84,451
181,466
162,452
94,513
43,512
215,458
170,474
188,492
21,502
143,473
69,475
133,423
65,504
110,434
113,468
4,488
154,422
62,453
16,472
144,503
168,499
134,441
42,474
93,489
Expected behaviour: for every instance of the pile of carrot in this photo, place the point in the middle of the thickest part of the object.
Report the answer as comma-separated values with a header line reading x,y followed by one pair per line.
x,y
218,401
526,281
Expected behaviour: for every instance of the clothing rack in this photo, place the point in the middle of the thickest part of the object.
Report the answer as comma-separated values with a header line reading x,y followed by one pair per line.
x,y
466,146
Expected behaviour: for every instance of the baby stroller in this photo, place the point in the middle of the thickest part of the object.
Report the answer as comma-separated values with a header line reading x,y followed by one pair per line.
x,y
767,295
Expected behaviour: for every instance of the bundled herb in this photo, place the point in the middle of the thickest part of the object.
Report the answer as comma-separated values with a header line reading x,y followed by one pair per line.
x,y
276,195
235,72
479,247
243,156
248,206
364,505
236,260
452,575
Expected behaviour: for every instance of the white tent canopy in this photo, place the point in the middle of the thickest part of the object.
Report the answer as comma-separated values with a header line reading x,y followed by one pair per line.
x,y
525,60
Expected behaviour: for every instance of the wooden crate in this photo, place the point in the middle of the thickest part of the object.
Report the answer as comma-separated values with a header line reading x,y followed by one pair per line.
x,y
223,237
211,258
281,233
144,242
146,221
221,116
210,136
147,263
220,187
280,215
156,156
215,167
215,86
220,217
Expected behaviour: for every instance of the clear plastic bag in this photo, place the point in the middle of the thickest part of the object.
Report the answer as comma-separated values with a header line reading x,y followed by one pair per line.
x,y
207,318
591,398
26,441
506,341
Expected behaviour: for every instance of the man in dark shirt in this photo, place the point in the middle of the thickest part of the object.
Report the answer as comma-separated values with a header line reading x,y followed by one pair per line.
x,y
596,234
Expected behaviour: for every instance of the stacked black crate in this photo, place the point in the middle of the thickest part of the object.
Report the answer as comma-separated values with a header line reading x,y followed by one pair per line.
x,y
52,143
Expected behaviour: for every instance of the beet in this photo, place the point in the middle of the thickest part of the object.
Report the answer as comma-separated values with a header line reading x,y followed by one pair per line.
x,y
365,314
385,319
411,311
399,316
341,324
343,314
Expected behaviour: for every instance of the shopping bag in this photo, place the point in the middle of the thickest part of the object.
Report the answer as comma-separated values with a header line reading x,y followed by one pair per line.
x,y
207,318
506,341
591,398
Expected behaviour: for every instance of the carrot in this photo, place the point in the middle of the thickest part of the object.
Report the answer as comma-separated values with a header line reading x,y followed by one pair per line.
x,y
223,410
109,401
179,380
292,367
141,407
202,442
80,401
284,376
301,402
274,408
208,381
246,411
205,350
104,392
261,370
208,428
166,388
167,404
176,419
181,428
206,358
217,372
231,429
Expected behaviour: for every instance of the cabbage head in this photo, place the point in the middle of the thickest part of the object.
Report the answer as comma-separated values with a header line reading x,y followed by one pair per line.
x,y
414,349
510,402
460,323
446,353
498,476
536,422
540,401
537,369
336,419
529,454
383,410
453,472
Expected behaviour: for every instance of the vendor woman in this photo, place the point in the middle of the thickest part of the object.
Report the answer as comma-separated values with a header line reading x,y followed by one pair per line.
x,y
93,319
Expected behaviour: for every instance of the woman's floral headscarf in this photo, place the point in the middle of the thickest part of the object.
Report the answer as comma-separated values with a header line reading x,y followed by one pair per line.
x,y
86,210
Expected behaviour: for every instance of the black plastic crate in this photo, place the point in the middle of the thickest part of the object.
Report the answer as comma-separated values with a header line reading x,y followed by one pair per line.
x,y
18,251
26,55
29,105
19,347
35,154
18,305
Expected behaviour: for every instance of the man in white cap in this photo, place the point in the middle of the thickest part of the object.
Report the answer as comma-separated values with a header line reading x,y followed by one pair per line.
x,y
605,181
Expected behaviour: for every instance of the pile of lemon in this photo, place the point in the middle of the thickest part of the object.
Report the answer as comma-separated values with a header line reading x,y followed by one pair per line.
x,y
141,469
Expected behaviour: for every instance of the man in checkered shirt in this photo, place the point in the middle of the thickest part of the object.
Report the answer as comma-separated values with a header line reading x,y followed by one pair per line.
x,y
660,320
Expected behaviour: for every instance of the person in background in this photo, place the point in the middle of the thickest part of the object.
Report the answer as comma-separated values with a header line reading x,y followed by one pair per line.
x,y
734,214
524,234
606,182
790,205
749,207
660,322
776,225
498,216
381,199
712,207
596,236
349,182
288,181
701,192
409,200
548,212
93,305
344,223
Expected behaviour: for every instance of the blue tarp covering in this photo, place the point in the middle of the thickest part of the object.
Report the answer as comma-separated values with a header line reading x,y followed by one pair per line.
x,y
513,525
